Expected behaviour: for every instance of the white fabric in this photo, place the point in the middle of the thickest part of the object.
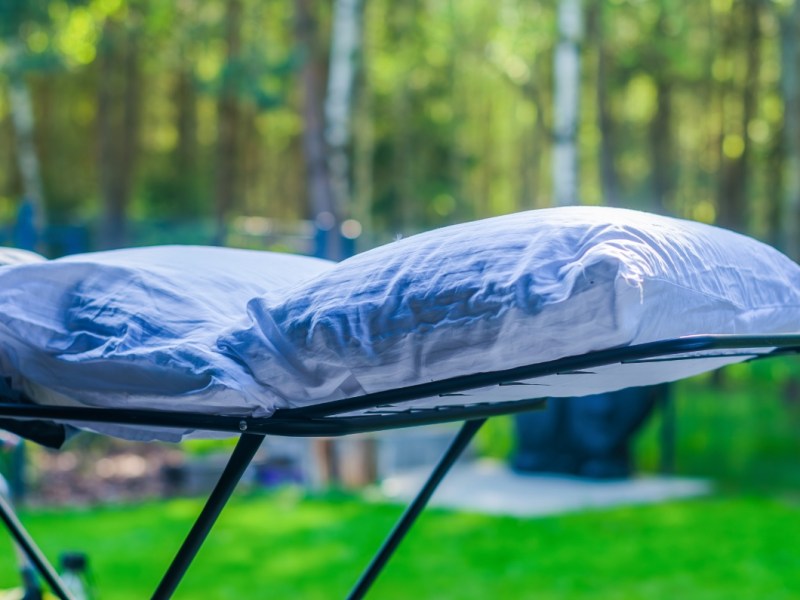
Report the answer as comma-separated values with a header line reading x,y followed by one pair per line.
x,y
597,380
15,256
509,291
221,331
138,328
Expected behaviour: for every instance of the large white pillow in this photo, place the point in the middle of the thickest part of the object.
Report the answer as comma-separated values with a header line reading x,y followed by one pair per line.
x,y
138,328
510,291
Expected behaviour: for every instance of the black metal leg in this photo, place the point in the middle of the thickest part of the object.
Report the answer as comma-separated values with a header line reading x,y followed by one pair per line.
x,y
242,455
465,435
28,546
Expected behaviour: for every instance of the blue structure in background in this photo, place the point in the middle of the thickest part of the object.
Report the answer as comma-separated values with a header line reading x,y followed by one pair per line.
x,y
65,239
24,234
68,239
348,247
320,241
59,240
321,236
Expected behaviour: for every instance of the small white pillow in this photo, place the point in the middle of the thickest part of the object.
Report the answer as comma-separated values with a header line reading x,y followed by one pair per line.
x,y
15,256
511,291
138,328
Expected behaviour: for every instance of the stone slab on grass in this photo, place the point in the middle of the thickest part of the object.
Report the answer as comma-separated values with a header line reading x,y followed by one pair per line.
x,y
491,487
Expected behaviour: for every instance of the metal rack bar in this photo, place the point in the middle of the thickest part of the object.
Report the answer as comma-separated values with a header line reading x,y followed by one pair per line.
x,y
459,443
31,550
243,453
322,420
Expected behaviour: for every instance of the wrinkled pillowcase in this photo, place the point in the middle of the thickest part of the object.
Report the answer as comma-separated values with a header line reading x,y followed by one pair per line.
x,y
138,328
511,291
15,256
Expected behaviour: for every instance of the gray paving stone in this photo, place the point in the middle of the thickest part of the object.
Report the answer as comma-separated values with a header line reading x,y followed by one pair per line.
x,y
491,487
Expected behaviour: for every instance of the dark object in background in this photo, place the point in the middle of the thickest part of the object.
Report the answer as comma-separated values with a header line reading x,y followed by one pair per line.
x,y
46,433
588,436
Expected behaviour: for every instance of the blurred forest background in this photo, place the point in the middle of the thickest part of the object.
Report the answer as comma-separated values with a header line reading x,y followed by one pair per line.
x,y
271,123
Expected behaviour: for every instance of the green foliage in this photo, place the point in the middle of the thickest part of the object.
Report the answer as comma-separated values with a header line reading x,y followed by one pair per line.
x,y
743,434
206,447
453,114
13,13
496,438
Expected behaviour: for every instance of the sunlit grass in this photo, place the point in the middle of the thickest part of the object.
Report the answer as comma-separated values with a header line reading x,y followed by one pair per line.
x,y
283,546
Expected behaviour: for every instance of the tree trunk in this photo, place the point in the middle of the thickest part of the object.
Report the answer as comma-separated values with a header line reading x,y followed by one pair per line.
x,y
661,143
131,109
344,66
732,203
566,73
662,158
118,107
790,88
402,161
22,119
106,134
312,79
228,116
773,192
186,149
363,167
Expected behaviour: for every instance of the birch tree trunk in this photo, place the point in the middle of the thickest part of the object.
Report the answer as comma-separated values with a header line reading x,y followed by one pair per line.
x,y
790,88
566,72
342,71
312,78
22,119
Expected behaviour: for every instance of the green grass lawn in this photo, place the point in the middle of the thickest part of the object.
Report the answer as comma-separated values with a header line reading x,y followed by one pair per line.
x,y
282,546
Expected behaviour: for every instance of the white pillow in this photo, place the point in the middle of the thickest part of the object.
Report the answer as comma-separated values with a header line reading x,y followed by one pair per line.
x,y
511,291
138,328
15,256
